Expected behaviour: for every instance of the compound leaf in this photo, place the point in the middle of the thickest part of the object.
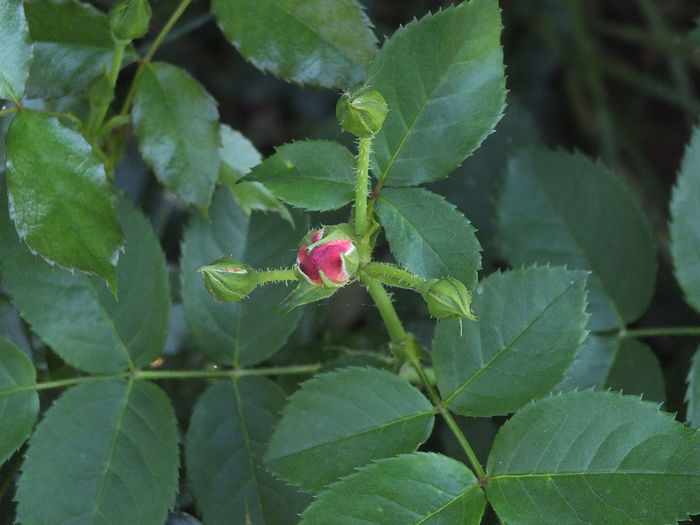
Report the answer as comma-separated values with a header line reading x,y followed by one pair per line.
x,y
428,235
251,330
15,50
325,43
105,452
685,217
594,457
531,322
177,125
341,420
443,80
60,201
417,488
230,426
19,402
561,208
312,174
77,316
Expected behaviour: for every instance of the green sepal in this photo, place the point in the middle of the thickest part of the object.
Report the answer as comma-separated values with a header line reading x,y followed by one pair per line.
x,y
305,293
361,111
330,233
129,19
101,92
393,275
447,298
228,280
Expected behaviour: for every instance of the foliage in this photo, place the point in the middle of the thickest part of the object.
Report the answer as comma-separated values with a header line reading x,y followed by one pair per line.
x,y
522,285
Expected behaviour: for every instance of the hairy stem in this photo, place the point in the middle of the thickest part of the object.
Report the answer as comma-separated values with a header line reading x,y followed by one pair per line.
x,y
272,276
361,190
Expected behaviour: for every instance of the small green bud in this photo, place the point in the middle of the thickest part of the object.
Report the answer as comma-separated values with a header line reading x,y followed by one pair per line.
x,y
447,298
129,19
361,112
228,280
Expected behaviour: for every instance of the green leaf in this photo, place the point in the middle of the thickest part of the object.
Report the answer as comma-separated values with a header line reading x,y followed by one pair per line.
x,y
72,46
531,322
249,331
444,82
415,488
562,208
177,125
252,196
19,402
231,423
15,50
617,364
237,154
60,201
594,457
77,316
685,217
416,222
311,174
305,293
341,420
105,453
326,43
692,396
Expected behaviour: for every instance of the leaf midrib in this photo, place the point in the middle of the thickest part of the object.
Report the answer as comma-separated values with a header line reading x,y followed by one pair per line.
x,y
506,347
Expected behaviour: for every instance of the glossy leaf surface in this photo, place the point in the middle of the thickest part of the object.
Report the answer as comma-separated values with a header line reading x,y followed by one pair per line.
x,y
237,154
594,457
177,125
249,331
312,174
230,426
428,235
685,218
60,200
341,420
19,402
72,46
105,453
15,50
562,208
325,43
531,322
77,316
443,80
418,488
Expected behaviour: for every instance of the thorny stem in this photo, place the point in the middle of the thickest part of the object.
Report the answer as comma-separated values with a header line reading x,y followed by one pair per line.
x,y
271,276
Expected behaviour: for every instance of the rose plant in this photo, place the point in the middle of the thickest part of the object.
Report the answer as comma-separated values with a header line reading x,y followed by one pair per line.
x,y
505,387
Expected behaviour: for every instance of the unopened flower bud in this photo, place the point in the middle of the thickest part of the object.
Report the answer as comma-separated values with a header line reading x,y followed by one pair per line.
x,y
447,298
228,280
361,112
328,257
129,19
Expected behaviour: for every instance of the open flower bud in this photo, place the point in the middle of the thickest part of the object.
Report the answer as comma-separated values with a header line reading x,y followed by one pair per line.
x,y
328,257
447,298
228,280
361,112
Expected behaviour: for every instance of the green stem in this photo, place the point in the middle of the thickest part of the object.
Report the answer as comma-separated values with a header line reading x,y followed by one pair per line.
x,y
362,189
97,116
271,276
8,111
386,309
393,275
468,450
400,338
662,331
152,51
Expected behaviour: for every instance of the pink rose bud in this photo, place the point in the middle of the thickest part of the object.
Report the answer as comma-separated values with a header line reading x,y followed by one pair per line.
x,y
330,258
